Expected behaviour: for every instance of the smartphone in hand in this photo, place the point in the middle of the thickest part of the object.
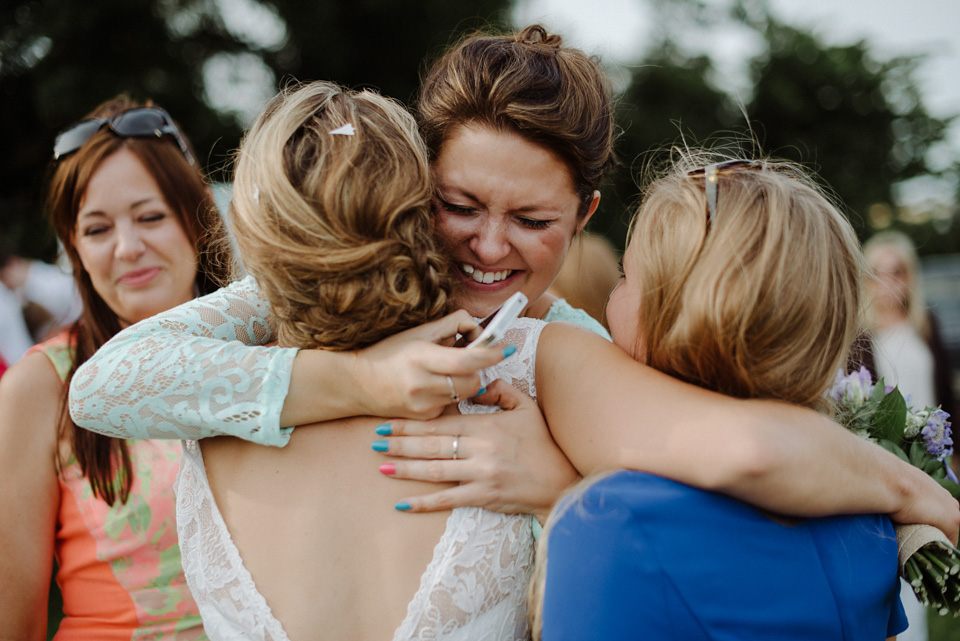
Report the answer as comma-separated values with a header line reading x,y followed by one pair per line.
x,y
493,326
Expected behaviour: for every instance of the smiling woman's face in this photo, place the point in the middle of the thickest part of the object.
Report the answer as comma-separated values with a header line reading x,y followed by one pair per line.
x,y
507,212
131,242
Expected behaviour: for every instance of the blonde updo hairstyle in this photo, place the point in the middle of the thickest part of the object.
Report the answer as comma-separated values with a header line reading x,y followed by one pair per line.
x,y
762,304
336,227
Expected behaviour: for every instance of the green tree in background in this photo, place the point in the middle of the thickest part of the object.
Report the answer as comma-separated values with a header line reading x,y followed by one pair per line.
x,y
857,120
860,122
59,59
669,101
375,43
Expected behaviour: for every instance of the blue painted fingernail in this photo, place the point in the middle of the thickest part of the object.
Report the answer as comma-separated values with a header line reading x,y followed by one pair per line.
x,y
509,350
403,506
483,390
380,446
384,429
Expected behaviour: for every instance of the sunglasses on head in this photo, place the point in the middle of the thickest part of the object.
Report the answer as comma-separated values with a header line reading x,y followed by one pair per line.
x,y
140,122
711,176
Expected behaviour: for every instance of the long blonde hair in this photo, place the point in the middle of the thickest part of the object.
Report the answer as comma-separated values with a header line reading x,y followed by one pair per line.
x,y
331,214
761,303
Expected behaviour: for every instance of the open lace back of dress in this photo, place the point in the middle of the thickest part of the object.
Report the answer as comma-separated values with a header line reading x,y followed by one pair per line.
x,y
474,587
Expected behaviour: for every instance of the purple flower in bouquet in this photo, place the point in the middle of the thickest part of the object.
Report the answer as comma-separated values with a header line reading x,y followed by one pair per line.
x,y
923,438
937,434
854,388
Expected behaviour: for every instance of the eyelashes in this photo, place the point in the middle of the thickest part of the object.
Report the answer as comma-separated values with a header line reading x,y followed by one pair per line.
x,y
464,210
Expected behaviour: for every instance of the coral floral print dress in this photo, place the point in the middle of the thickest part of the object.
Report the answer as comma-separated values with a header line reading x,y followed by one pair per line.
x,y
119,565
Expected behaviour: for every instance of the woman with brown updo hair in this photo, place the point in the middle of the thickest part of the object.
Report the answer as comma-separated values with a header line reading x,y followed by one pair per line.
x,y
519,130
139,226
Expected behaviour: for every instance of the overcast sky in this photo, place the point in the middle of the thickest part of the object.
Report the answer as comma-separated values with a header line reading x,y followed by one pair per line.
x,y
619,29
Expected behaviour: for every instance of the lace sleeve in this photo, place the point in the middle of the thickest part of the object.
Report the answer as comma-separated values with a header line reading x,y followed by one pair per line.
x,y
189,373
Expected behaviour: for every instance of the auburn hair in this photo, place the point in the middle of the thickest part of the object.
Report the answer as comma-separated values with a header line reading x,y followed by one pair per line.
x,y
103,459
529,83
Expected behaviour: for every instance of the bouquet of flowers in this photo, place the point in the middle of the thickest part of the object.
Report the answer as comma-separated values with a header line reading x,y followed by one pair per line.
x,y
922,438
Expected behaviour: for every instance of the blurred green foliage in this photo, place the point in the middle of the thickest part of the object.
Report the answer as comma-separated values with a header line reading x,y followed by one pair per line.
x,y
856,119
61,58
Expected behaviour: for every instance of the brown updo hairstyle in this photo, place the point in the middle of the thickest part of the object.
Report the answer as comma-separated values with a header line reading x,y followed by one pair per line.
x,y
336,228
184,189
528,83
762,304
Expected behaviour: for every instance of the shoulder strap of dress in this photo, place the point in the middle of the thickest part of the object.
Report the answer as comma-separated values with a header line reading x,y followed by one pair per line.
x,y
60,350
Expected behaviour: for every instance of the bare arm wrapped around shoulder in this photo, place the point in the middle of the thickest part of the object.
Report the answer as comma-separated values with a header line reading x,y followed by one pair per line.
x,y
606,411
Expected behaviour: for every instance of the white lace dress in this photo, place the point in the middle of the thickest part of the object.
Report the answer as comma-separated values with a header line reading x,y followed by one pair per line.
x,y
474,588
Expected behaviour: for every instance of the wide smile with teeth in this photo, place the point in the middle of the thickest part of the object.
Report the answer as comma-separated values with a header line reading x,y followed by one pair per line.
x,y
485,277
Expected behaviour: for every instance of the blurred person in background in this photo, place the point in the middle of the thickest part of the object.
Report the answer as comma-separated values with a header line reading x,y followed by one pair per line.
x,y
137,222
15,336
904,348
36,299
47,293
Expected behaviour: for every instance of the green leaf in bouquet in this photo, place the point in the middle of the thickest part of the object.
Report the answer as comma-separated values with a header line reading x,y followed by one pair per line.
x,y
933,467
950,486
895,448
890,415
879,391
919,457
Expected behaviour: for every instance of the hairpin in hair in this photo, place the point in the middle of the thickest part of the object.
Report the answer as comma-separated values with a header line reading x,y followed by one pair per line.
x,y
256,194
346,130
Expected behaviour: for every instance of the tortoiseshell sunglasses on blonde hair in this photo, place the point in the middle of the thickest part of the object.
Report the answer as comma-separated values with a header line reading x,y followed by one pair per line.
x,y
711,176
139,122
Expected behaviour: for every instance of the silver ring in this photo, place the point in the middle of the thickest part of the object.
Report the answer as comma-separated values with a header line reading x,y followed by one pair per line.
x,y
453,392
456,446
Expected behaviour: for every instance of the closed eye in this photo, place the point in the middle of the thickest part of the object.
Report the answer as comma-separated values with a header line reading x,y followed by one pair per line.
x,y
533,223
459,210
95,230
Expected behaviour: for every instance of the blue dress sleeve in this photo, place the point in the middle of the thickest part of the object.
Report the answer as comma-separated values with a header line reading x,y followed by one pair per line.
x,y
194,371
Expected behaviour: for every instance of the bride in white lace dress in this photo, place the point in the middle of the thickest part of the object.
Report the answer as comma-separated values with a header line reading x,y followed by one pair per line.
x,y
331,215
